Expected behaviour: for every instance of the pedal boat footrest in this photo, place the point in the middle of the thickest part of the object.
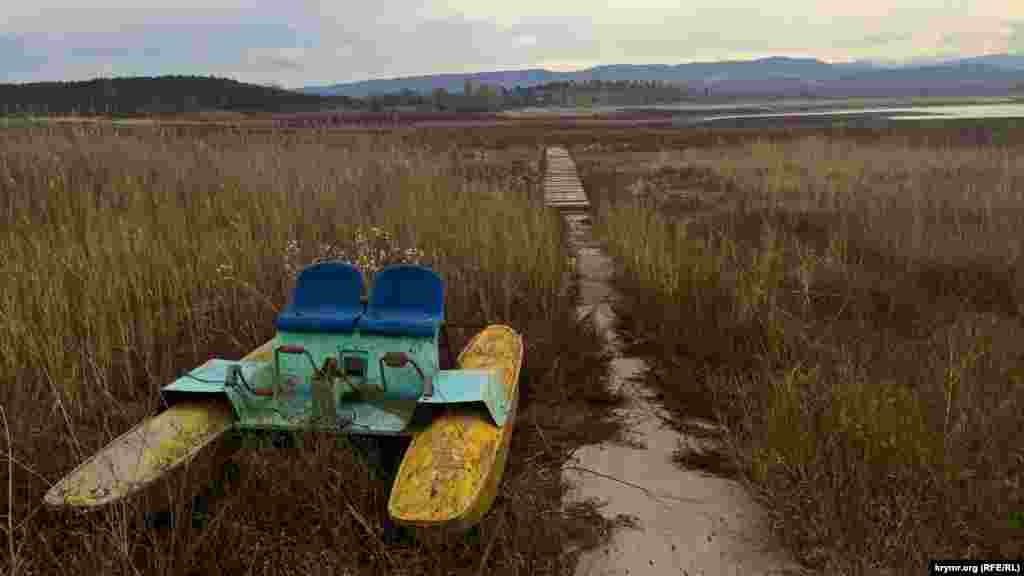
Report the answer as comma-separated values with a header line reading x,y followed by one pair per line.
x,y
467,386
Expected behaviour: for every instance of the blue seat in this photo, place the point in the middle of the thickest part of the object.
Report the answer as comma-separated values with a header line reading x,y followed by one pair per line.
x,y
327,298
405,300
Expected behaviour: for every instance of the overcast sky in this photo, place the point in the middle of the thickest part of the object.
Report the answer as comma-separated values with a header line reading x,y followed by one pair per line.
x,y
302,42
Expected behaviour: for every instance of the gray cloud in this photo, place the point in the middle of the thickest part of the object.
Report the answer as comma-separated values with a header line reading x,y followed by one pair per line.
x,y
884,38
16,57
153,47
313,42
1017,37
275,60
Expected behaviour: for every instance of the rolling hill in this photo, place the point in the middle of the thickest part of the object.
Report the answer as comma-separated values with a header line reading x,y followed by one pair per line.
x,y
159,95
778,76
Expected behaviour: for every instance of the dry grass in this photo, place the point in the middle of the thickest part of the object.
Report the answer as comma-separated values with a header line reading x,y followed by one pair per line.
x,y
850,308
132,255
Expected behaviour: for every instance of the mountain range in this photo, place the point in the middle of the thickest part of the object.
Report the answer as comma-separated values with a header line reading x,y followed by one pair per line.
x,y
990,75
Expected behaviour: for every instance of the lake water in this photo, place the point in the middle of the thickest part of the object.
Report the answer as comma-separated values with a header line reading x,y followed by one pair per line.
x,y
967,111
938,112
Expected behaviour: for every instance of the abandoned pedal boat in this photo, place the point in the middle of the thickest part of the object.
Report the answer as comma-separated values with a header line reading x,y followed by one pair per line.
x,y
344,364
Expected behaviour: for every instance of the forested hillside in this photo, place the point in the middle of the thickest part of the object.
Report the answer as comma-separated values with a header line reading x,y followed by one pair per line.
x,y
158,95
482,97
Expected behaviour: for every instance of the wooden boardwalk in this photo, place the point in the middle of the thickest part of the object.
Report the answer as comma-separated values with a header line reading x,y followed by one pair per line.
x,y
562,186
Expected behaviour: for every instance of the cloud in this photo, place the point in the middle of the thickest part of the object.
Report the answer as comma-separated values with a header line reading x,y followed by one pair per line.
x,y
884,39
1016,33
276,59
379,49
243,46
305,42
16,57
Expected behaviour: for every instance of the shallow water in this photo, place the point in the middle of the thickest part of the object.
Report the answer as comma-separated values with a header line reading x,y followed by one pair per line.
x,y
967,111
938,112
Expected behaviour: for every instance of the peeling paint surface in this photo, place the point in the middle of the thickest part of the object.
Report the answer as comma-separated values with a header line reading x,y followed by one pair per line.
x,y
147,452
452,469
143,454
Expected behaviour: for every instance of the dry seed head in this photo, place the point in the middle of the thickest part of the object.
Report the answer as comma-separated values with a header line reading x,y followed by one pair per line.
x,y
225,270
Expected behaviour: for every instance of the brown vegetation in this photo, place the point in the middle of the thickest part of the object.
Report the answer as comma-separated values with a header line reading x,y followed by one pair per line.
x,y
131,255
844,300
848,304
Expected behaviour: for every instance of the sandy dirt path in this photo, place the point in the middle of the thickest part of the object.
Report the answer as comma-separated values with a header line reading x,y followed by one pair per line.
x,y
687,522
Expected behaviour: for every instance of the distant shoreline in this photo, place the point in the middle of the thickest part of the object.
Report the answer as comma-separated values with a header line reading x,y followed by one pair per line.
x,y
751,113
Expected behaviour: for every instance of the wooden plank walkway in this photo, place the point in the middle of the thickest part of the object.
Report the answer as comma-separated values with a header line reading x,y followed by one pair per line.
x,y
562,186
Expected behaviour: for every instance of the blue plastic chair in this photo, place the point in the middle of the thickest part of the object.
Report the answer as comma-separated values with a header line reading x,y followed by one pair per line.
x,y
327,298
406,300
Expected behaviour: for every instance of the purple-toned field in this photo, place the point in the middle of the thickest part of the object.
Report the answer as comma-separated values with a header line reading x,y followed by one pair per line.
x,y
651,118
326,119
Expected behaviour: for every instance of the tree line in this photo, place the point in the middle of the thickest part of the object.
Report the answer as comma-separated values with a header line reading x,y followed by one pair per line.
x,y
185,94
477,97
156,95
